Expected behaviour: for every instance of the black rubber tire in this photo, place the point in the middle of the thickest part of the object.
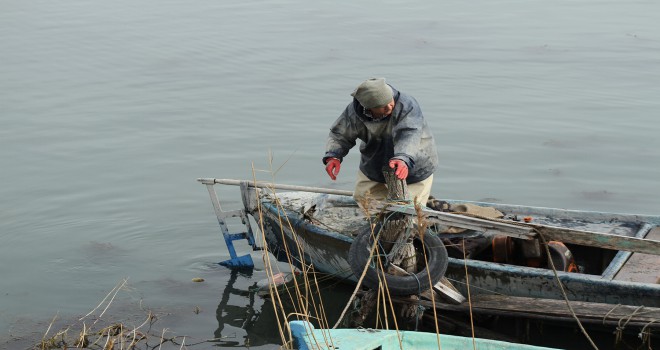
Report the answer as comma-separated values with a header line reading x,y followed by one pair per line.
x,y
436,253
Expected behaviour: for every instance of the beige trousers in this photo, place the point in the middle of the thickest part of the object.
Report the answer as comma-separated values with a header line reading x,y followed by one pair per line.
x,y
366,188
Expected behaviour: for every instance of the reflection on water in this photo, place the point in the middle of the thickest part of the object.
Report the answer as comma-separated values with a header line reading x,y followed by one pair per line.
x,y
246,315
247,319
243,316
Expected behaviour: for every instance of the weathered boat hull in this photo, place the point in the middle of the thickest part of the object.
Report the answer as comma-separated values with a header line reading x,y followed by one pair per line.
x,y
328,252
316,226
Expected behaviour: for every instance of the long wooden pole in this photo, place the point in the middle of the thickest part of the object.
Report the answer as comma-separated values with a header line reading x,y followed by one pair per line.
x,y
527,231
263,184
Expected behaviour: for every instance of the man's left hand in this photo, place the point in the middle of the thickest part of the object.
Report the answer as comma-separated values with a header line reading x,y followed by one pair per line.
x,y
400,168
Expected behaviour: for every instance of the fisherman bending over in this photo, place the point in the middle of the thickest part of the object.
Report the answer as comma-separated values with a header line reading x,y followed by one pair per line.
x,y
393,132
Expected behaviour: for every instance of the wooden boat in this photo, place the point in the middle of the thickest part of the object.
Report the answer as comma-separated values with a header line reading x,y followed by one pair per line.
x,y
617,255
306,337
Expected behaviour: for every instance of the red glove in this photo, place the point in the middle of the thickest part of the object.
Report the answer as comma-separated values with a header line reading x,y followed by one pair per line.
x,y
401,169
332,167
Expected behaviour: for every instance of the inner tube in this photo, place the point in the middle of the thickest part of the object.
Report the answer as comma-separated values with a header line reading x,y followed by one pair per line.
x,y
436,253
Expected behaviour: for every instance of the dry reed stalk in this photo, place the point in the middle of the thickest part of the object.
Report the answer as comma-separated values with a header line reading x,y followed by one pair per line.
x,y
359,283
467,284
388,296
269,269
422,225
115,290
303,300
320,314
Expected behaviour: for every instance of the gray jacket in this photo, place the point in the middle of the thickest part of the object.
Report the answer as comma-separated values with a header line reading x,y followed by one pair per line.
x,y
403,135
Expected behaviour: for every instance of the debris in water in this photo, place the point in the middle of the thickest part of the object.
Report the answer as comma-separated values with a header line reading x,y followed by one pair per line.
x,y
276,280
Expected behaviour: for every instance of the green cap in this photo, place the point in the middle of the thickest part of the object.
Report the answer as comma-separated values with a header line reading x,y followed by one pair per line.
x,y
373,93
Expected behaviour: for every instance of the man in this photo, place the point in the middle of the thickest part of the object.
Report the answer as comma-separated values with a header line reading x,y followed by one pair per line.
x,y
393,132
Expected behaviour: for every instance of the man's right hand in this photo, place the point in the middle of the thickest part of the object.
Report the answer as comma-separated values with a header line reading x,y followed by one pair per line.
x,y
332,167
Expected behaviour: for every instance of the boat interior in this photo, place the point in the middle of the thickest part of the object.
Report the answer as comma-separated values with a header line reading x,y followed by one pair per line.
x,y
342,214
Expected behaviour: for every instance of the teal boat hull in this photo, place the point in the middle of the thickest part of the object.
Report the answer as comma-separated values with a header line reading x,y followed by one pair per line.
x,y
306,337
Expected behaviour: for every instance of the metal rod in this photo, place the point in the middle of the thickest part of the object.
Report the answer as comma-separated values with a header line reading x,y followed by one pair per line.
x,y
563,234
262,184
477,224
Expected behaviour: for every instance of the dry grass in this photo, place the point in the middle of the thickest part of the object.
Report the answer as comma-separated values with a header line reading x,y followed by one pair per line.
x,y
96,331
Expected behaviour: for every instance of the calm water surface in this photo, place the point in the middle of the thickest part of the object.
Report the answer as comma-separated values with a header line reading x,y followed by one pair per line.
x,y
110,111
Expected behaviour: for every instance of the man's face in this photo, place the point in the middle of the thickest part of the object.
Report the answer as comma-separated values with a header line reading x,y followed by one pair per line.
x,y
382,112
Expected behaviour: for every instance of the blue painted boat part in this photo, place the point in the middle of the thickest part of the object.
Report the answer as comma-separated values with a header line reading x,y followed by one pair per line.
x,y
235,261
306,337
239,262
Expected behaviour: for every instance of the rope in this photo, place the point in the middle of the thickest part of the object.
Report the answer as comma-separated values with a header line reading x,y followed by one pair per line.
x,y
563,292
467,284
359,283
620,328
419,300
420,312
386,263
645,335
609,312
630,316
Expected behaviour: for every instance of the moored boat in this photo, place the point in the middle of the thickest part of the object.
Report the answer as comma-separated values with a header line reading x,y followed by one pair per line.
x,y
613,257
306,337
